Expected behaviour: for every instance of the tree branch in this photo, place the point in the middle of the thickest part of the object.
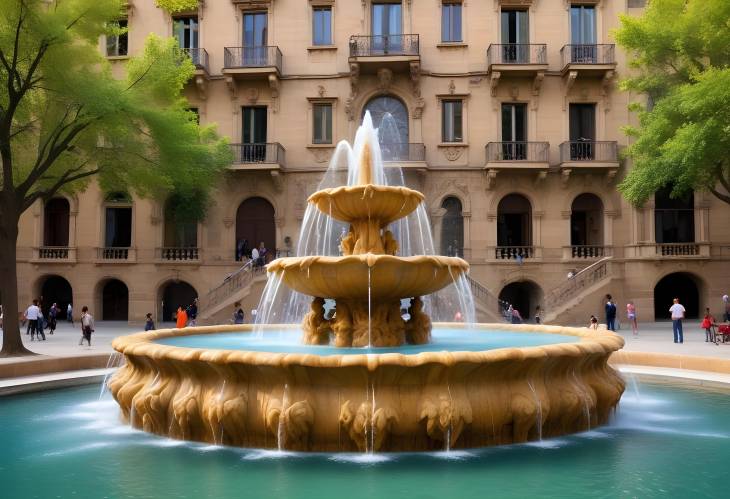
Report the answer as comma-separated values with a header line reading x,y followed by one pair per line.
x,y
720,195
64,179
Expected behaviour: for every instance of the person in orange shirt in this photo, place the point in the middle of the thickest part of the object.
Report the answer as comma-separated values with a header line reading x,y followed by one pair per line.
x,y
182,318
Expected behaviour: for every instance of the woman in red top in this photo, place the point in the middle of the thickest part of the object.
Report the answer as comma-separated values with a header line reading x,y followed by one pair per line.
x,y
182,318
708,323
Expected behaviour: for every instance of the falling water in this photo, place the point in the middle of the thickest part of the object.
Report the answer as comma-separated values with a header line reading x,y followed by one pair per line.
x,y
115,359
539,410
280,435
372,419
369,310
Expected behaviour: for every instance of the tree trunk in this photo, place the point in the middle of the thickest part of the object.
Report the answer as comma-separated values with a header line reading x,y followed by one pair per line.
x,y
12,340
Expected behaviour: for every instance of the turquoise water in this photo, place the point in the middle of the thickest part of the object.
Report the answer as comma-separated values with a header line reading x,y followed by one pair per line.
x,y
442,338
664,442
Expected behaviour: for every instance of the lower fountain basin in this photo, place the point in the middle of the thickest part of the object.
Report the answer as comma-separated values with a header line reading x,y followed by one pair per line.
x,y
367,401
382,277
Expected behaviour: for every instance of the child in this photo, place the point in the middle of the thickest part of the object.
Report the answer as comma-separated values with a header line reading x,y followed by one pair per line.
x,y
149,324
708,322
631,315
594,323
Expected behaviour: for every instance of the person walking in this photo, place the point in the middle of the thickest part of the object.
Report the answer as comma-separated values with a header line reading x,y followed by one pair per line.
x,y
41,325
631,316
70,314
31,315
193,313
52,314
610,314
677,311
87,325
708,323
538,315
262,254
149,324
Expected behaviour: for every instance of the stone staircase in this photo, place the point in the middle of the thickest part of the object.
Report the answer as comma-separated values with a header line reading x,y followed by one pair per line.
x,y
487,306
244,285
573,301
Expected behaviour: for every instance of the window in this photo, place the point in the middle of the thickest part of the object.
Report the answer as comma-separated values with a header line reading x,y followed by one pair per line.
x,y
253,149
451,126
322,25
515,36
514,131
583,34
185,30
451,22
116,45
582,131
322,124
387,35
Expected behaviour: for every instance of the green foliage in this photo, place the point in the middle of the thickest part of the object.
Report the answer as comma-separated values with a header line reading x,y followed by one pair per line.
x,y
173,6
681,59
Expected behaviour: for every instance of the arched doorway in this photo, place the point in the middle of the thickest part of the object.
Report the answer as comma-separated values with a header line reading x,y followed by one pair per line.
x,y
514,226
674,219
680,285
56,289
525,296
255,224
452,228
175,294
586,226
55,222
390,117
114,301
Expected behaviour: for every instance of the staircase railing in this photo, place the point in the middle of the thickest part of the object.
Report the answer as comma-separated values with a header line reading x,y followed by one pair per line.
x,y
230,285
485,297
580,281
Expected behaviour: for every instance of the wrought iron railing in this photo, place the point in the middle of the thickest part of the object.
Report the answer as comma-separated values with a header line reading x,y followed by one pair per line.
x,y
178,254
678,249
589,150
587,251
377,45
198,56
252,57
270,152
113,253
518,151
576,284
588,54
517,53
513,252
54,252
403,151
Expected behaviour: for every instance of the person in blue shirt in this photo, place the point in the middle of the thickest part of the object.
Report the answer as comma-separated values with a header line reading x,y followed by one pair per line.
x,y
149,324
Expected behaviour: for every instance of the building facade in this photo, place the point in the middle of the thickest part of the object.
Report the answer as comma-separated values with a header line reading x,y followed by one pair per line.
x,y
504,113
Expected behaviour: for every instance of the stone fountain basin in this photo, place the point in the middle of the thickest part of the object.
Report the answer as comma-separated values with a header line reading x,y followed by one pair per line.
x,y
362,202
346,277
367,402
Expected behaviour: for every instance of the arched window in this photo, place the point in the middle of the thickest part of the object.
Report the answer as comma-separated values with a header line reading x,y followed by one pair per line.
x,y
586,226
452,228
674,219
390,117
55,222
514,221
255,224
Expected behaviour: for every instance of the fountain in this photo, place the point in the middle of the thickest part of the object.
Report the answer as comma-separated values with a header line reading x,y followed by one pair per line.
x,y
366,379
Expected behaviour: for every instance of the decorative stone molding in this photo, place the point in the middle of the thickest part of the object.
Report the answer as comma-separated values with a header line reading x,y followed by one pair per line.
x,y
201,85
494,82
278,180
418,108
606,83
385,79
274,88
228,222
321,154
537,82
354,78
498,4
540,177
611,175
321,91
452,153
491,177
232,87
252,95
564,177
415,72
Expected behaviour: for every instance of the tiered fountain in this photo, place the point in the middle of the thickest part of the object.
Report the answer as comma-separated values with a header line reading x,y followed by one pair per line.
x,y
386,385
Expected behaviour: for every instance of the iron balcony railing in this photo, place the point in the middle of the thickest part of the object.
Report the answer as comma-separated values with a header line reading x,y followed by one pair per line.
x,y
588,54
518,151
178,254
269,153
403,151
376,45
198,56
513,252
517,53
252,57
589,150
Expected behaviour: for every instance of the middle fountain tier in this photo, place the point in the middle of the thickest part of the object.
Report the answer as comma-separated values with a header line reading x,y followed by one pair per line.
x,y
368,282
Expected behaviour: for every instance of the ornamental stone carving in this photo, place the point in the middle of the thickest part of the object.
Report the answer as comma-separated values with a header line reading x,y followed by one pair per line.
x,y
452,153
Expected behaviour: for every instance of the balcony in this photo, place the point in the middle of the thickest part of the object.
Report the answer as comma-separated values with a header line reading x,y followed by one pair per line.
x,y
663,251
54,254
597,60
394,52
589,155
177,255
518,60
519,155
406,155
268,156
199,58
586,252
252,62
517,253
113,254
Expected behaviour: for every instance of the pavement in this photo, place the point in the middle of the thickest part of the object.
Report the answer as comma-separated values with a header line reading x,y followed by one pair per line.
x,y
653,337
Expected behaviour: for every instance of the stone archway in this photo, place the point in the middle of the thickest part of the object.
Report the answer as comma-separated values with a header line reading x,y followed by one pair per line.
x,y
452,228
255,223
682,285
525,296
514,224
174,294
114,301
56,289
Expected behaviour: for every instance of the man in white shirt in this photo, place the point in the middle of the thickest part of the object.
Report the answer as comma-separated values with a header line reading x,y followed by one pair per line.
x,y
31,315
677,312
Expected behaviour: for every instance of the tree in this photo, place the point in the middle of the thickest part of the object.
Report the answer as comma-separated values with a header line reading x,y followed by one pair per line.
x,y
681,60
66,121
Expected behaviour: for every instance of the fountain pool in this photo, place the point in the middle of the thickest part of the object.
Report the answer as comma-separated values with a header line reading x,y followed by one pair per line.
x,y
668,442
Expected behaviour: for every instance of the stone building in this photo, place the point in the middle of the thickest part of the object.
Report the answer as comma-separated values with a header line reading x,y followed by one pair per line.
x,y
505,113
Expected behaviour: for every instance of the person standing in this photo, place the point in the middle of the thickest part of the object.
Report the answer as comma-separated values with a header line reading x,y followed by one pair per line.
x,y
708,323
52,314
70,314
726,304
31,315
538,315
677,311
238,315
610,314
181,319
193,313
255,257
149,324
631,316
262,254
87,325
